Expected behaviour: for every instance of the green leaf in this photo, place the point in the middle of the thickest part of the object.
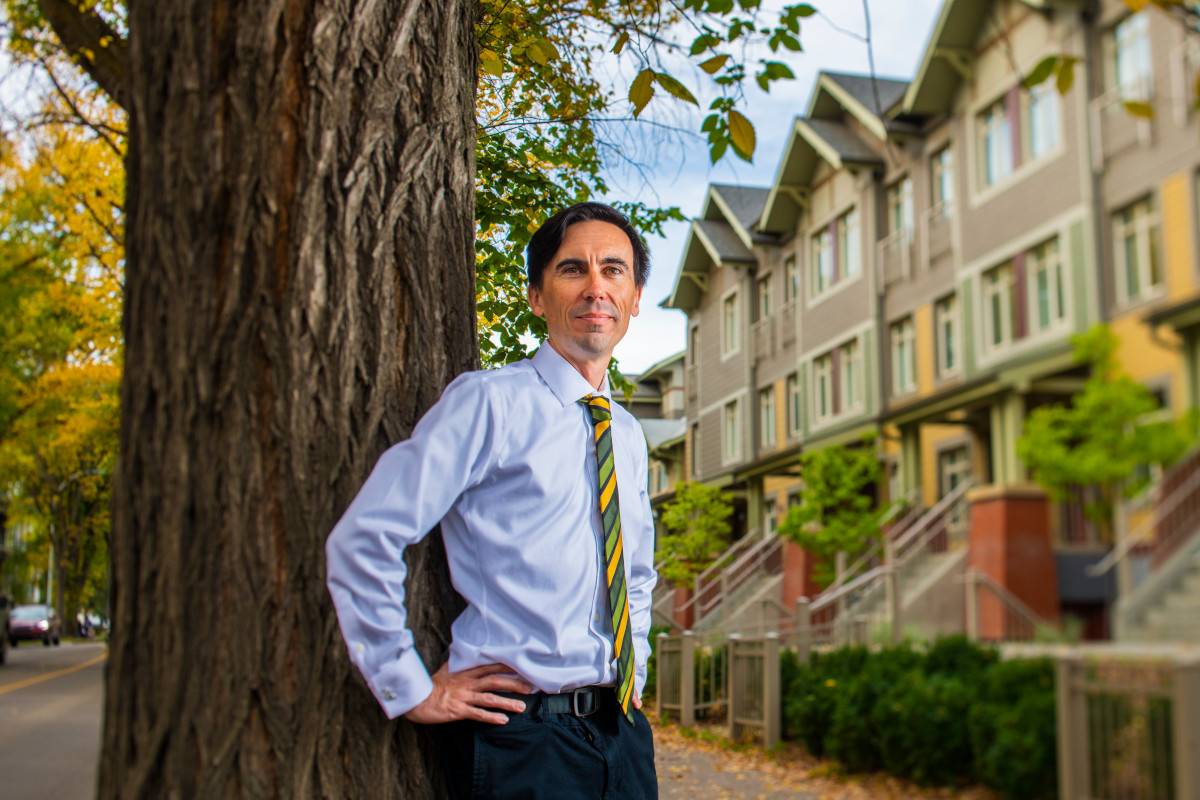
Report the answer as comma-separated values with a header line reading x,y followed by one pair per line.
x,y
1139,108
1066,75
741,135
804,10
790,42
675,88
778,70
622,40
1040,72
542,51
490,62
764,82
713,64
709,124
641,90
717,149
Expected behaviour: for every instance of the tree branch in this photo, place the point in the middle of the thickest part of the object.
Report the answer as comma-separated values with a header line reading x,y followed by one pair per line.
x,y
92,43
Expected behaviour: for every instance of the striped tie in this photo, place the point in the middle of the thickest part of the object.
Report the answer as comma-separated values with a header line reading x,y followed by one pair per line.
x,y
610,516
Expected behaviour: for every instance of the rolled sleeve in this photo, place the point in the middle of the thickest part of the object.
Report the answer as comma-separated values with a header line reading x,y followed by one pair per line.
x,y
410,489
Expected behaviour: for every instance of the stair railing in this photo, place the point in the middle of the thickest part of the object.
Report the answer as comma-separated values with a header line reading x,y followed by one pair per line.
x,y
767,554
930,534
1018,622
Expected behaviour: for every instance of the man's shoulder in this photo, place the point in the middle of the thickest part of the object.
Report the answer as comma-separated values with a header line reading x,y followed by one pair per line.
x,y
510,376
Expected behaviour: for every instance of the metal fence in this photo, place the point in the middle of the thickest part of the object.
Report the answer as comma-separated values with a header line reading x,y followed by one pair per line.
x,y
1129,725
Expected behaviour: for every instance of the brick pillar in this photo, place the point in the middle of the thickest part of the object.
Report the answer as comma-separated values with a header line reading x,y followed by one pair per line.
x,y
797,574
1010,543
683,617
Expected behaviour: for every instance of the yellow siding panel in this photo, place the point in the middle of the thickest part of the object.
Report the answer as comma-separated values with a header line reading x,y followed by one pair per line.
x,y
1144,359
923,322
931,437
1178,248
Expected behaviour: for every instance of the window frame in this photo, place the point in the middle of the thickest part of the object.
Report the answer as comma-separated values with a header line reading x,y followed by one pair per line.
x,y
901,213
762,287
1046,258
997,113
1139,85
792,280
903,337
795,401
946,315
822,367
941,174
849,239
731,434
1006,292
767,439
850,376
731,299
822,256
1044,92
1146,230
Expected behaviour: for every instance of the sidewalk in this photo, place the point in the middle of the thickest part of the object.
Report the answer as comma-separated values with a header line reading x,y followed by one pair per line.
x,y
695,766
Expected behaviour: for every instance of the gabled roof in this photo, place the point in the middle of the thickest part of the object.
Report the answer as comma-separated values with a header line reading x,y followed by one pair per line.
x,y
659,431
722,241
840,93
812,141
950,53
744,203
652,371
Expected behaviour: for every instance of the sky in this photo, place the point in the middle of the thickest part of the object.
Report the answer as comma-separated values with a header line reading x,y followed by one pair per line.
x,y
680,171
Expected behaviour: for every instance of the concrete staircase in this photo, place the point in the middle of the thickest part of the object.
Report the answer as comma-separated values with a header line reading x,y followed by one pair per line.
x,y
1166,607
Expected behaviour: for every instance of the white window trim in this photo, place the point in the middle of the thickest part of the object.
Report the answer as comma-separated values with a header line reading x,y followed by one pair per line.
x,y
855,236
859,372
1034,262
945,206
990,349
795,427
791,264
772,307
956,327
737,323
903,384
1026,121
766,433
1139,87
1144,229
897,187
977,193
818,418
812,298
733,454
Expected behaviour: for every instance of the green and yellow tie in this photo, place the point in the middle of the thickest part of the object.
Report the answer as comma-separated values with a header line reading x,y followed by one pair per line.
x,y
610,516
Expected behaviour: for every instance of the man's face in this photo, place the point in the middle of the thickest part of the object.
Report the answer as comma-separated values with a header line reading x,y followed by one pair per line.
x,y
588,290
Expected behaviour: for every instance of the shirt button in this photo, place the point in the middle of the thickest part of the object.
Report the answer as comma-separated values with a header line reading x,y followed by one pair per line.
x,y
358,648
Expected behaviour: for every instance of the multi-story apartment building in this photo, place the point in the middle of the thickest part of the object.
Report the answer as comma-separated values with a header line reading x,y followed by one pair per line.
x,y
925,253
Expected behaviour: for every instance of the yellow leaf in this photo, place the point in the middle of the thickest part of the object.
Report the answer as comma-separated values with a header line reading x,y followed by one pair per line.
x,y
1139,108
713,64
641,90
490,62
741,134
622,40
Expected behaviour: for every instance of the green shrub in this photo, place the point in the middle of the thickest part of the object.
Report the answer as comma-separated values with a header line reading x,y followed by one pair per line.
x,y
1014,729
923,732
812,693
959,656
853,738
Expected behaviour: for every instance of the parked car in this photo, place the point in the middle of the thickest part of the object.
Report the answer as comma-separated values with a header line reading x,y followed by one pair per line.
x,y
3,628
34,622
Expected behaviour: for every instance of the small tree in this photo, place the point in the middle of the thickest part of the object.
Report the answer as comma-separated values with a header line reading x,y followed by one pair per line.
x,y
836,512
1100,440
697,531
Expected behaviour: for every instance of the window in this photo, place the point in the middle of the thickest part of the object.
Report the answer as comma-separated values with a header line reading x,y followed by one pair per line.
x,y
658,477
764,297
995,144
770,517
954,467
849,243
1041,120
693,344
731,432
791,284
822,272
1046,286
942,171
695,454
945,320
997,306
904,362
730,332
766,418
900,207
793,409
823,388
1135,231
1130,69
850,376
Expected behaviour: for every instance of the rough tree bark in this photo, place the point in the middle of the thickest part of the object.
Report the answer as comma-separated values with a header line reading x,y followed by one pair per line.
x,y
299,287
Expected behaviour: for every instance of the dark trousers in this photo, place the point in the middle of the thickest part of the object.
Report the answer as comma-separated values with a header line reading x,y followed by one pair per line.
x,y
543,755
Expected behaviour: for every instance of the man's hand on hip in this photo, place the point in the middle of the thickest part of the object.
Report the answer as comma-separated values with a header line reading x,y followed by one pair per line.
x,y
468,695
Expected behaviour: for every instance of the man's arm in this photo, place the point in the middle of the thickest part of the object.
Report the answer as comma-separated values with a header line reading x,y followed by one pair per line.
x,y
411,488
642,578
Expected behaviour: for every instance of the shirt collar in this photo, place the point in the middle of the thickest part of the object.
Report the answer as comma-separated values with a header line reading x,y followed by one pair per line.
x,y
567,383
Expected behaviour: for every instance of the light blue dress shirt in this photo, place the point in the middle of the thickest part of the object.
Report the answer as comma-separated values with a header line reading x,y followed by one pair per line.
x,y
506,461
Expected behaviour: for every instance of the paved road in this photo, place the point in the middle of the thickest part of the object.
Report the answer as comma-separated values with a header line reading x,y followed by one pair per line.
x,y
50,701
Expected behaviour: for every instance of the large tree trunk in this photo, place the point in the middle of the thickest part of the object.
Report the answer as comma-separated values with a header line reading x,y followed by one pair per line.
x,y
299,288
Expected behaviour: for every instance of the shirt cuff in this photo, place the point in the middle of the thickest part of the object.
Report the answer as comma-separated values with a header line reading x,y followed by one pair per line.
x,y
402,685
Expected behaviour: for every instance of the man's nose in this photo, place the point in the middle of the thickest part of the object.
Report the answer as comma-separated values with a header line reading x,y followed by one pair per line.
x,y
596,288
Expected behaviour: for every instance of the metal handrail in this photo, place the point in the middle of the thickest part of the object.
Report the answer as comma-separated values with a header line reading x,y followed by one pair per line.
x,y
926,521
759,554
1164,507
1013,602
871,551
828,598
727,560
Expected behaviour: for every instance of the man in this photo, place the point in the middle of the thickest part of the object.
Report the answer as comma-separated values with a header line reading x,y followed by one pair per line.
x,y
539,481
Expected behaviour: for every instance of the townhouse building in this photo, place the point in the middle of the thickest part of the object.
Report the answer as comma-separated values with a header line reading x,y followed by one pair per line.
x,y
925,253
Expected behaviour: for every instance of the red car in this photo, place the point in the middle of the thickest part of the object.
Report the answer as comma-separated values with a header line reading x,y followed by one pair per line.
x,y
34,622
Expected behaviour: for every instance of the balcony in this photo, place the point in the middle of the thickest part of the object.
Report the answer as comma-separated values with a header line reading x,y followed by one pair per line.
x,y
1115,129
895,257
788,319
938,222
762,334
1185,65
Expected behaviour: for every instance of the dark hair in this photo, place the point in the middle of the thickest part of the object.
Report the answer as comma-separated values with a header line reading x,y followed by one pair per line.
x,y
548,238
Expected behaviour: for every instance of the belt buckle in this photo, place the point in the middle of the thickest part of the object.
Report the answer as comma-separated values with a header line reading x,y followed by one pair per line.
x,y
575,695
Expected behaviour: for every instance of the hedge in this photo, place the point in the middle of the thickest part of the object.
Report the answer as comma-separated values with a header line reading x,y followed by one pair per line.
x,y
950,715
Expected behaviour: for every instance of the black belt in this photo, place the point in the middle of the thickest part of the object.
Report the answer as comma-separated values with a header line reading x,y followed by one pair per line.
x,y
581,702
